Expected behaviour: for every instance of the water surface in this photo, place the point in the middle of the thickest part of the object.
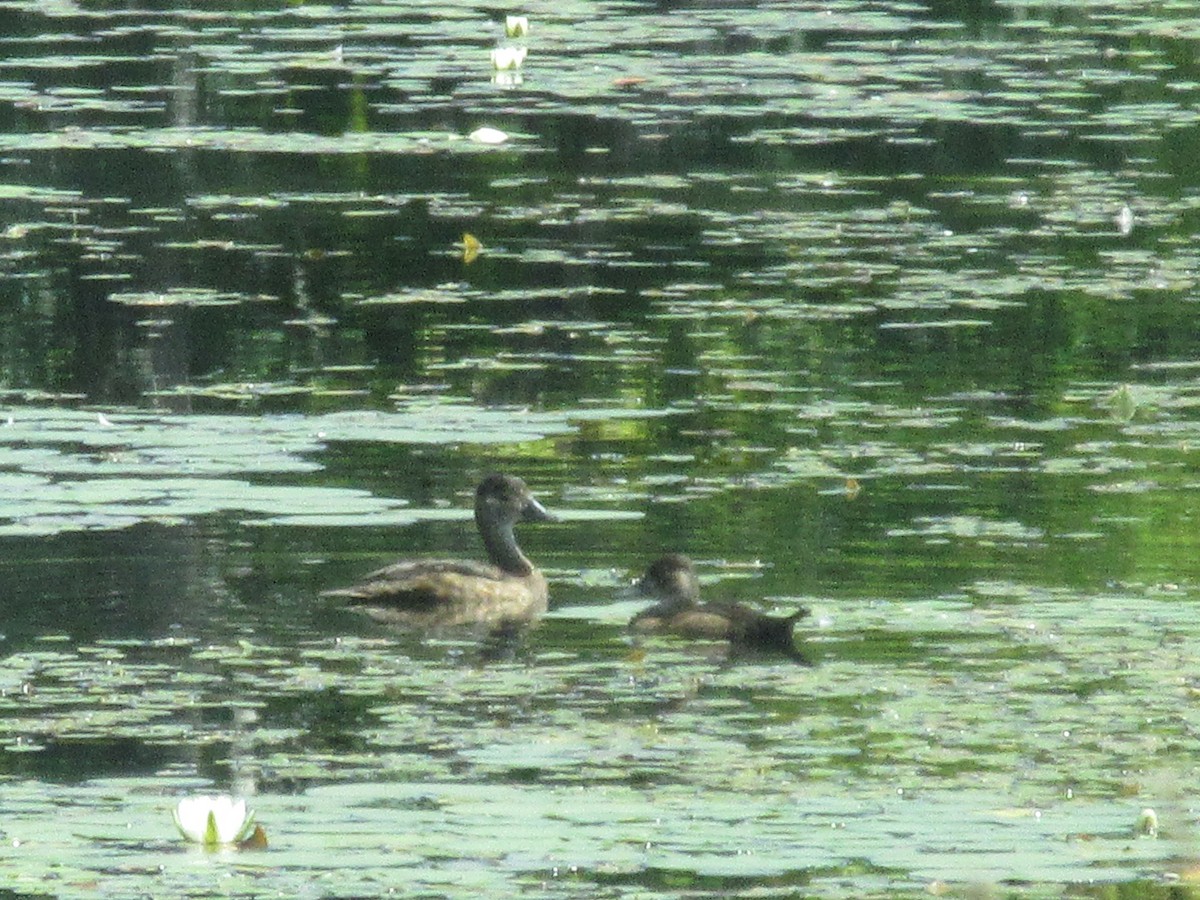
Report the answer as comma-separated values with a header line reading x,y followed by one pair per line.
x,y
882,309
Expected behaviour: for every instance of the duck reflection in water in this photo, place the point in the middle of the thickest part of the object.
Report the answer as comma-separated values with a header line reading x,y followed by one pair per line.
x,y
431,594
671,581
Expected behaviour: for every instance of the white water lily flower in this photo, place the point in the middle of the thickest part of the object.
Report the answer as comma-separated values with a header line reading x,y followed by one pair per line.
x,y
487,135
516,26
213,820
508,57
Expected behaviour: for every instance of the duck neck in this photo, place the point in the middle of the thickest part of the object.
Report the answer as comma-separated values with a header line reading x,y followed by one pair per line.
x,y
502,546
673,604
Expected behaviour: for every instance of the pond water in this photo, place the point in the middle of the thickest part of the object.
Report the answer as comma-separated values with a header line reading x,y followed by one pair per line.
x,y
883,309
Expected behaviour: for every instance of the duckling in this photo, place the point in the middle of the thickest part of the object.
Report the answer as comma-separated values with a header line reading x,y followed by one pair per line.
x,y
672,581
442,593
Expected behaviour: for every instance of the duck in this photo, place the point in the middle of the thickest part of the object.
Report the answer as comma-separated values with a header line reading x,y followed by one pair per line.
x,y
671,580
432,594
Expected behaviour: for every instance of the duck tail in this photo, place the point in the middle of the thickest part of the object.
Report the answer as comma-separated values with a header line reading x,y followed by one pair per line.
x,y
802,613
778,632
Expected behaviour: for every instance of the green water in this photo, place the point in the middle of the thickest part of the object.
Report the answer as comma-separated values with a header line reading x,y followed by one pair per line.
x,y
887,310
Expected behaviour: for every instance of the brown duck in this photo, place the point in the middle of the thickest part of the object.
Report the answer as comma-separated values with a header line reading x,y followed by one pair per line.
x,y
442,593
672,581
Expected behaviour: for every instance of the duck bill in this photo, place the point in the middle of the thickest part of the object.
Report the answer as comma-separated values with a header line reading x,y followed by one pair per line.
x,y
535,512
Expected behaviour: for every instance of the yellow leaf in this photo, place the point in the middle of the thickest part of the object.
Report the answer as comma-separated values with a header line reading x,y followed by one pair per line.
x,y
471,248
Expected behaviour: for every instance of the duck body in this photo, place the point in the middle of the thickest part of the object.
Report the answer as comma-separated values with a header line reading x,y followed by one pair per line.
x,y
720,622
444,593
672,581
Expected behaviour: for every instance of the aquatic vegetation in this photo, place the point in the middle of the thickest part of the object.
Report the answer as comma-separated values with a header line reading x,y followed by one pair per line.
x,y
471,248
516,26
883,310
214,820
488,135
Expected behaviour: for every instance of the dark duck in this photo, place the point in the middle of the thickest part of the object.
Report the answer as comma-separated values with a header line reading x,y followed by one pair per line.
x,y
432,594
671,581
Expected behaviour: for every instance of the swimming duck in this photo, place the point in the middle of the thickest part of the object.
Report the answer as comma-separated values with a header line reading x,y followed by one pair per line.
x,y
672,581
441,593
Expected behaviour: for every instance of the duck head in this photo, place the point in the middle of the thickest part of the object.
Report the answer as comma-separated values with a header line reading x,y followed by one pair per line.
x,y
670,579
